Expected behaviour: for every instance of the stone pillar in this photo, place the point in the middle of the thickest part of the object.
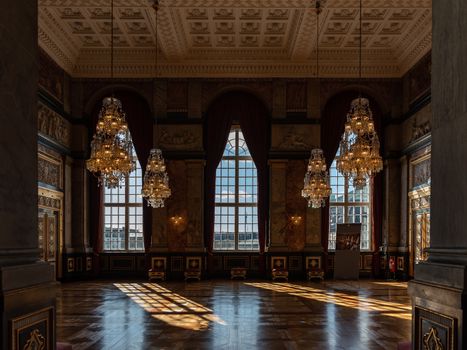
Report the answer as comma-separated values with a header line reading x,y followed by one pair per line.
x,y
277,202
439,288
27,294
391,221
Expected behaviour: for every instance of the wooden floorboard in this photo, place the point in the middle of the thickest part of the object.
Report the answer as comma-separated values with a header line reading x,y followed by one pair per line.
x,y
220,314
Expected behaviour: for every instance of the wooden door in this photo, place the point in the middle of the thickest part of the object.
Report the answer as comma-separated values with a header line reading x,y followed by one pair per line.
x,y
47,236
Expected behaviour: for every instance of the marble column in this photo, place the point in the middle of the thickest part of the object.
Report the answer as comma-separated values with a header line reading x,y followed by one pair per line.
x,y
439,288
27,292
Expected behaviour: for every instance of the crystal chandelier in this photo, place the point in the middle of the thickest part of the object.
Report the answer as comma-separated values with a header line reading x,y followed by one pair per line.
x,y
156,181
316,184
359,157
111,147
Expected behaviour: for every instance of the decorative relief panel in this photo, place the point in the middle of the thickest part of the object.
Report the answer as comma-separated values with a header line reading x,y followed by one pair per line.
x,y
181,138
294,137
49,171
421,172
52,125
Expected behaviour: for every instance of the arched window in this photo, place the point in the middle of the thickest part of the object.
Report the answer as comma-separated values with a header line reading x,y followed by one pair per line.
x,y
348,205
236,199
123,214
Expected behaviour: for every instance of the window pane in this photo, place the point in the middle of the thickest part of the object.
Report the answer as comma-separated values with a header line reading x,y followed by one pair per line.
x,y
236,218
348,205
123,214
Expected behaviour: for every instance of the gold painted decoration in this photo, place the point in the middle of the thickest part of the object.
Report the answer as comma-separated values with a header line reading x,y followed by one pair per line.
x,y
431,341
36,341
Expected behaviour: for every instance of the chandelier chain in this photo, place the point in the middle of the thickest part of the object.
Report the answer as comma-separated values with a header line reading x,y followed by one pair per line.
x,y
111,39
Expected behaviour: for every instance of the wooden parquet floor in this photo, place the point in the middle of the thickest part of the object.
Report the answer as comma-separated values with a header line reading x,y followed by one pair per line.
x,y
221,314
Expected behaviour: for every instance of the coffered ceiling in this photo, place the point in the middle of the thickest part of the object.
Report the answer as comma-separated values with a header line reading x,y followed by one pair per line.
x,y
235,38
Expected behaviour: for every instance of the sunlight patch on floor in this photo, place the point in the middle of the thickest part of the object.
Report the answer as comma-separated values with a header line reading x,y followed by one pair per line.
x,y
170,307
360,302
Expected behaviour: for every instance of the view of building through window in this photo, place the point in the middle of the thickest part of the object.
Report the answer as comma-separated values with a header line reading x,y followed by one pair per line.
x,y
236,212
348,205
123,214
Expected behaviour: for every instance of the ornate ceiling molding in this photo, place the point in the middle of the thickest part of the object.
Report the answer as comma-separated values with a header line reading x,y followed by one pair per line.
x,y
235,38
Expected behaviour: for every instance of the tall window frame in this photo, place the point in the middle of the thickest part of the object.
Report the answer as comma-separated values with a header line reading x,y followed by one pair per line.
x,y
236,198
122,227
348,205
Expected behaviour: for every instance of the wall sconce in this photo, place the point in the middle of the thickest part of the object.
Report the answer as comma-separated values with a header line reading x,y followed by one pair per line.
x,y
296,219
176,220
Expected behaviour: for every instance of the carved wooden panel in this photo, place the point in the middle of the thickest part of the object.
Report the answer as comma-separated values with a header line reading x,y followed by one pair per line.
x,y
49,171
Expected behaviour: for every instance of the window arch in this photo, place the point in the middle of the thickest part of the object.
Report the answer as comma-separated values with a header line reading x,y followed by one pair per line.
x,y
236,197
123,213
348,205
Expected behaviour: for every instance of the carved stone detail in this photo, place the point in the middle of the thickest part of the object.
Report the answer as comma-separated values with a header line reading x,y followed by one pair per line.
x,y
420,130
52,125
294,137
180,137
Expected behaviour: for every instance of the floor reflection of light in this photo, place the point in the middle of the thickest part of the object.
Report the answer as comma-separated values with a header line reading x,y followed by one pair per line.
x,y
391,284
359,302
170,307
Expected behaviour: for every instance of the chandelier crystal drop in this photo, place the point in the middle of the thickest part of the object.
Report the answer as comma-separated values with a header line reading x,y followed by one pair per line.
x,y
316,184
359,157
156,181
111,146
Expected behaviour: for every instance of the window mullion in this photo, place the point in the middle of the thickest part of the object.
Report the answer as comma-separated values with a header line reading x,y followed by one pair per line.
x,y
236,189
127,235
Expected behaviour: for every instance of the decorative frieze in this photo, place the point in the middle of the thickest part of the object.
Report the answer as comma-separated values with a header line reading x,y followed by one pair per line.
x,y
53,126
181,138
294,137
